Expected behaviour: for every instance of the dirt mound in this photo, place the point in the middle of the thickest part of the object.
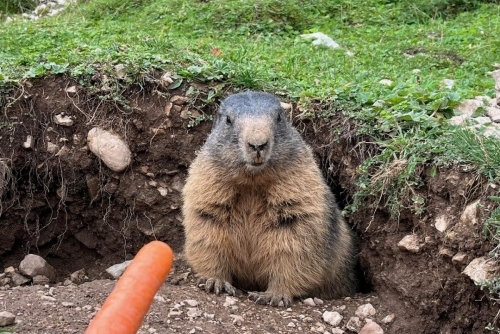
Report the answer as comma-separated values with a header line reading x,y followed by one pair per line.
x,y
58,200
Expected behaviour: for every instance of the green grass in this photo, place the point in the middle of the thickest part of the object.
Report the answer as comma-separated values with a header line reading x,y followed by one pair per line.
x,y
257,44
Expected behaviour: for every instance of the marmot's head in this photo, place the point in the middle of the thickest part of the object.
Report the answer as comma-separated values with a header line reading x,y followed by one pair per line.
x,y
251,130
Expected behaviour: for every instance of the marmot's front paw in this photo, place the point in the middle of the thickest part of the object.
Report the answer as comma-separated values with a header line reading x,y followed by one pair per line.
x,y
216,286
268,298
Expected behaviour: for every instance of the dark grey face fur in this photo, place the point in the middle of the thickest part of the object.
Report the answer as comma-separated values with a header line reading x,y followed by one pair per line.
x,y
252,132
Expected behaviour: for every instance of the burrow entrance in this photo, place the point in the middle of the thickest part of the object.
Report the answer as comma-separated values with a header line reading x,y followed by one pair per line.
x,y
60,202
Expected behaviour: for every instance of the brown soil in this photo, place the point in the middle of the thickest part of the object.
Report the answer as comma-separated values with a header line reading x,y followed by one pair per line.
x,y
75,212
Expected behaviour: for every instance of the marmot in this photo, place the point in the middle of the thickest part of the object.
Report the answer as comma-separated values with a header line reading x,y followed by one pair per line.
x,y
258,214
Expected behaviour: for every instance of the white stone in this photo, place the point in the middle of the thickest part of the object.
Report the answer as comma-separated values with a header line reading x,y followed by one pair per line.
x,y
63,120
336,331
230,301
354,324
386,82
470,214
371,328
7,319
481,120
191,302
110,148
320,38
117,270
448,83
410,243
68,304
291,324
237,319
459,258
486,100
481,269
52,148
458,120
493,113
309,301
33,265
365,311
333,318
318,301
441,223
389,318
194,312
163,191
29,142
468,107
71,89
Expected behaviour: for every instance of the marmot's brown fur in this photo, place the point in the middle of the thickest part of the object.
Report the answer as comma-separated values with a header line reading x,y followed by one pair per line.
x,y
258,214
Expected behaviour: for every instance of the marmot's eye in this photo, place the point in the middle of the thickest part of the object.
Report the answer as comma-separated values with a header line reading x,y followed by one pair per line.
x,y
228,120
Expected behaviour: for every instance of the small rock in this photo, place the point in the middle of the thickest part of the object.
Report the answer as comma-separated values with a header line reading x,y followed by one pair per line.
x,y
33,265
448,83
333,318
63,120
168,108
49,298
117,270
7,319
371,328
18,279
194,312
78,276
486,100
446,252
481,269
163,191
388,319
291,324
410,243
286,106
9,270
336,331
174,313
309,301
191,302
209,316
52,148
237,319
468,107
386,82
365,311
178,100
459,258
40,280
493,113
481,120
110,148
318,301
470,214
458,120
29,142
441,223
354,324
67,304
229,301
71,89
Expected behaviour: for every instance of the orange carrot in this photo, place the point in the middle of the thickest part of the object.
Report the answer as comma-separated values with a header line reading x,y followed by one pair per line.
x,y
125,308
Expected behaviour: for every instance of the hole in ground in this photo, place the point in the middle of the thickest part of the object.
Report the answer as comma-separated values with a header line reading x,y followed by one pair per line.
x,y
343,199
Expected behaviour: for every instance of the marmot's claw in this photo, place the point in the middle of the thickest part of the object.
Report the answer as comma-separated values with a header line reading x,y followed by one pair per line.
x,y
266,298
216,286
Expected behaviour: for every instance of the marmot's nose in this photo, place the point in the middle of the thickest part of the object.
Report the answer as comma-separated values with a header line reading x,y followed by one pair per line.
x,y
256,147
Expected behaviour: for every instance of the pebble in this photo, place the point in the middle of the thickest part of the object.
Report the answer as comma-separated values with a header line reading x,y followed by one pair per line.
x,y
63,120
337,331
78,276
49,298
33,265
194,312
67,304
318,301
291,324
237,319
209,316
18,279
389,318
365,310
229,301
29,142
354,324
7,318
191,302
117,270
110,148
309,301
410,243
333,318
481,269
371,328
